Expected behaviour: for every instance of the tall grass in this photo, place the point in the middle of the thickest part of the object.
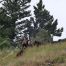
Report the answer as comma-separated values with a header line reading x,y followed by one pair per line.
x,y
53,54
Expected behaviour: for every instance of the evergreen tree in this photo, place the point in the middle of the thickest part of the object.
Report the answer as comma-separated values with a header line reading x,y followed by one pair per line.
x,y
29,27
4,23
26,27
46,21
14,10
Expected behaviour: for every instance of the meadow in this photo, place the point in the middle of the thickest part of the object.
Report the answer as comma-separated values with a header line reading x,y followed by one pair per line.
x,y
44,55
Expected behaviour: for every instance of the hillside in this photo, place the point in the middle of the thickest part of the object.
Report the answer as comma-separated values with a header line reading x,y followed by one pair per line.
x,y
45,55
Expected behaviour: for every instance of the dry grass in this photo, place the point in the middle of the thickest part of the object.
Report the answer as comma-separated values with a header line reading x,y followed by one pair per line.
x,y
45,55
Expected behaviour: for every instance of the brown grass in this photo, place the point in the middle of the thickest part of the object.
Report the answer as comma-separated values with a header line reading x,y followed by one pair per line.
x,y
45,55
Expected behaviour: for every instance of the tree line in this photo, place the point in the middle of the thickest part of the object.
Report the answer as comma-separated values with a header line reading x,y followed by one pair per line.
x,y
42,27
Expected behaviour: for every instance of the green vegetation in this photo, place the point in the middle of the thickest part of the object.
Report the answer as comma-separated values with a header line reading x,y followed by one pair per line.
x,y
41,27
4,43
53,54
46,21
13,21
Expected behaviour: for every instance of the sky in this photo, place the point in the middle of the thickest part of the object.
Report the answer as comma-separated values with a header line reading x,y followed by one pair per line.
x,y
57,8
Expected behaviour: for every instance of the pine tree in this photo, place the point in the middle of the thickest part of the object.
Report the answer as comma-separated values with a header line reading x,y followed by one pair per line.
x,y
46,21
26,27
4,22
29,27
15,10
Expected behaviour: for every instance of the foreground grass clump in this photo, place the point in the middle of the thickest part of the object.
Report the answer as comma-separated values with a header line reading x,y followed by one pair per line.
x,y
45,55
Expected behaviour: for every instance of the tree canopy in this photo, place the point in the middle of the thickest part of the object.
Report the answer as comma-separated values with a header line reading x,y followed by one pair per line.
x,y
44,20
42,26
13,10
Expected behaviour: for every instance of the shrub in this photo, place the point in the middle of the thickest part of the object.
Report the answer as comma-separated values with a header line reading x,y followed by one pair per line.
x,y
4,43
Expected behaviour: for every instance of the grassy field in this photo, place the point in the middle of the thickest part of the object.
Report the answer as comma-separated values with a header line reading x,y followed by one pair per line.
x,y
45,55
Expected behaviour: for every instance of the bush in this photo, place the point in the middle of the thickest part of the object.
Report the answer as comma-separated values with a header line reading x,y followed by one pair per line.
x,y
59,59
42,36
4,43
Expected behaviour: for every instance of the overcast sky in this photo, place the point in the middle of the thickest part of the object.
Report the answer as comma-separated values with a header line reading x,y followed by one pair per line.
x,y
57,8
